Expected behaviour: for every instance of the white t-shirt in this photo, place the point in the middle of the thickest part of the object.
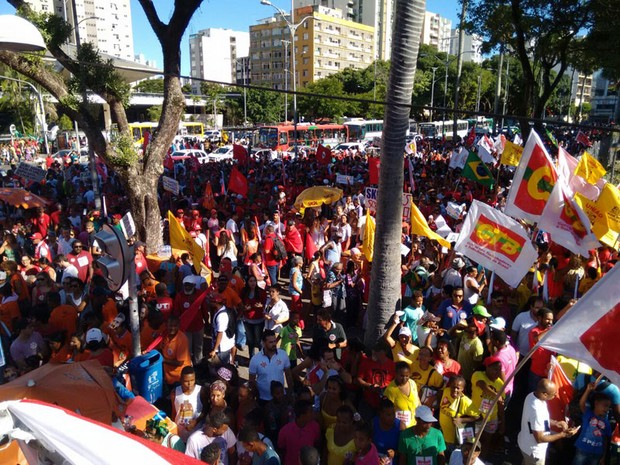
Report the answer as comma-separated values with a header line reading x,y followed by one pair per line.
x,y
457,459
535,418
279,311
199,440
470,295
70,272
522,325
220,325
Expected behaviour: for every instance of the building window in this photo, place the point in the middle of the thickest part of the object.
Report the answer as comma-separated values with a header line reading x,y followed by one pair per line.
x,y
304,73
305,36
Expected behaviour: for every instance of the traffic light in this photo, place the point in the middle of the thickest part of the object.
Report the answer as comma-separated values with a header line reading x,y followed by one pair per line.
x,y
115,261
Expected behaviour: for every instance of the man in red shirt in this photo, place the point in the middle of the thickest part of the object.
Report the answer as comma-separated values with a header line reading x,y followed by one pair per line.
x,y
163,302
82,260
41,249
542,357
41,222
292,239
195,330
375,373
273,265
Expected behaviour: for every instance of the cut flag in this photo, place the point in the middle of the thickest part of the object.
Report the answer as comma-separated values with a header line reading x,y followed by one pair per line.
x,y
497,242
532,183
476,170
310,248
589,168
551,137
604,214
238,182
323,155
208,201
458,158
511,154
567,164
583,139
566,222
368,245
411,148
180,239
240,153
558,406
373,170
471,137
485,150
588,332
419,227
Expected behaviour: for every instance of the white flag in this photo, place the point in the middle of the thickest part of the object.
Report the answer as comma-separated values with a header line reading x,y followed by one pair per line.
x,y
588,332
485,150
567,223
497,242
566,168
458,158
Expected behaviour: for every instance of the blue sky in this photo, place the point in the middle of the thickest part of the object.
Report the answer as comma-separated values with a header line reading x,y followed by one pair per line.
x,y
230,14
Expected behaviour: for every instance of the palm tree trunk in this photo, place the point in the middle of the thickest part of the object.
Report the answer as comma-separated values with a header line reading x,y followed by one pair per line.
x,y
385,278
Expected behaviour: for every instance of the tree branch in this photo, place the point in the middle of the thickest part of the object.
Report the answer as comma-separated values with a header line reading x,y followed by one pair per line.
x,y
151,14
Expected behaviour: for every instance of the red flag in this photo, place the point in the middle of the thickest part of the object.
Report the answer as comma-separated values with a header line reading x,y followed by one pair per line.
x,y
588,332
207,200
373,170
471,137
169,163
583,139
237,182
559,404
310,246
323,155
240,153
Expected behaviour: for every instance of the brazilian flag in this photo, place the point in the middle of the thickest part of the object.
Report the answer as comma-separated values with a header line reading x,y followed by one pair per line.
x,y
476,170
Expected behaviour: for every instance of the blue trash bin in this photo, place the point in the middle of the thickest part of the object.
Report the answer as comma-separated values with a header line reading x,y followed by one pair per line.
x,y
147,375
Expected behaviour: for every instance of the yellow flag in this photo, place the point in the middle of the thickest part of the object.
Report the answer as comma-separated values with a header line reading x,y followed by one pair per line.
x,y
368,245
180,239
511,154
589,168
604,214
609,202
419,226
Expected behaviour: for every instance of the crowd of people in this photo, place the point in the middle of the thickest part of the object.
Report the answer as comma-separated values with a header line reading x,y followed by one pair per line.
x,y
293,290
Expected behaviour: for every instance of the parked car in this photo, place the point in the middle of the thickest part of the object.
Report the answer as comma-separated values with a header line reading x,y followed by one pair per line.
x,y
213,135
343,146
182,155
222,153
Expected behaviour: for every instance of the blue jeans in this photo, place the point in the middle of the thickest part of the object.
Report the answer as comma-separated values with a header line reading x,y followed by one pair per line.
x,y
584,458
272,271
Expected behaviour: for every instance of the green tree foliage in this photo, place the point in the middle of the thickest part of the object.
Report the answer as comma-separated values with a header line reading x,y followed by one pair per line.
x,y
154,113
65,123
154,86
604,36
317,109
265,106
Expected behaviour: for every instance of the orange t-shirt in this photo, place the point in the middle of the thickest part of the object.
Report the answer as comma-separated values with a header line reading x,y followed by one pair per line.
x,y
148,335
120,345
62,355
109,311
175,349
22,293
9,311
64,318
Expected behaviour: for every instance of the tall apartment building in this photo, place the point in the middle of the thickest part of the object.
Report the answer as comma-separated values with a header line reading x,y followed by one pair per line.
x,y
376,13
604,100
324,44
436,31
471,46
214,53
105,24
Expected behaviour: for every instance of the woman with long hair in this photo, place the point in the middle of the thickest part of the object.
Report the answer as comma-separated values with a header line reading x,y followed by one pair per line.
x,y
257,270
43,284
226,248
253,299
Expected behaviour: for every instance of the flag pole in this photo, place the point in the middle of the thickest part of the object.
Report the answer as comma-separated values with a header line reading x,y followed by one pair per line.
x,y
490,288
499,394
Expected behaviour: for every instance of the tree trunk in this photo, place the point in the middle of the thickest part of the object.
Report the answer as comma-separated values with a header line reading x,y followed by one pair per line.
x,y
142,194
385,278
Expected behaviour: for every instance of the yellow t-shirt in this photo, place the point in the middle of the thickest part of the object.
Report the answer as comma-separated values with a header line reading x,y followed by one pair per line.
x,y
336,454
450,408
404,405
481,402
425,377
399,355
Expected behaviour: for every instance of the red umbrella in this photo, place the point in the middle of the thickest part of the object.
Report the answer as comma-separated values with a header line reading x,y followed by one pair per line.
x,y
19,197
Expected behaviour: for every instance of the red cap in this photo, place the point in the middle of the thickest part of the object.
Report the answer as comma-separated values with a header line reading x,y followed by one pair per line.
x,y
36,236
117,216
491,360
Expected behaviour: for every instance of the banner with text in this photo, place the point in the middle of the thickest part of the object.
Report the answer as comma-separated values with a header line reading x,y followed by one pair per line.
x,y
497,242
371,202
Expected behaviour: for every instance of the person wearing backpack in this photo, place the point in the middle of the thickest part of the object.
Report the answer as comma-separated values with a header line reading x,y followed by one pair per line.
x,y
273,256
224,327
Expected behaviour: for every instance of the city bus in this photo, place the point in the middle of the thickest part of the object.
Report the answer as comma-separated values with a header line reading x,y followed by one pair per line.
x,y
483,125
186,129
440,129
281,137
361,130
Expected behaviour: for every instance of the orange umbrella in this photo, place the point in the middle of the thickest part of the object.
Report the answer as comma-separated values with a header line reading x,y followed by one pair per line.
x,y
19,197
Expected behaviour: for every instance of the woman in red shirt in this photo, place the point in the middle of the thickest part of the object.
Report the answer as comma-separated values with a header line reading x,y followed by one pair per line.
x,y
253,300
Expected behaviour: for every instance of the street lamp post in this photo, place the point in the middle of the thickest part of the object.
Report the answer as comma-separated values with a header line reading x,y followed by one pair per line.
x,y
433,92
292,28
40,100
478,94
286,44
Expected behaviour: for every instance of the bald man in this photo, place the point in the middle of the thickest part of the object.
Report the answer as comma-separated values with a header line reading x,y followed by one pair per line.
x,y
536,425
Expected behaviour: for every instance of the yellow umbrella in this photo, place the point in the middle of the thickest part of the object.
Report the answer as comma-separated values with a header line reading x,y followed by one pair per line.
x,y
317,196
18,197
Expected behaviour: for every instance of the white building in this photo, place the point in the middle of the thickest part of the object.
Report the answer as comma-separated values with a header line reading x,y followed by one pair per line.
x,y
106,24
604,99
376,13
436,31
214,53
471,46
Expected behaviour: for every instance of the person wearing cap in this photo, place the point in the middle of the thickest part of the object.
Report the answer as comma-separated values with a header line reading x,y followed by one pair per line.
x,y
421,443
452,276
462,456
482,317
41,249
453,310
184,302
97,348
484,387
535,434
403,350
473,284
428,330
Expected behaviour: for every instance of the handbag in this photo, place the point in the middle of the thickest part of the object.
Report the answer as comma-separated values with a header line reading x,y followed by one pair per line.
x,y
429,396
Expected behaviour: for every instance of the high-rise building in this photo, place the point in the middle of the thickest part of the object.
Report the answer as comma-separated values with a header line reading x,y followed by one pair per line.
x,y
436,31
471,46
376,13
214,53
105,24
324,44
604,100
